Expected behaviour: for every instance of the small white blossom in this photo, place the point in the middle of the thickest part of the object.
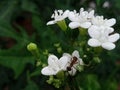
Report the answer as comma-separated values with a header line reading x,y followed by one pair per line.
x,y
81,19
100,36
72,63
58,15
100,21
106,4
55,65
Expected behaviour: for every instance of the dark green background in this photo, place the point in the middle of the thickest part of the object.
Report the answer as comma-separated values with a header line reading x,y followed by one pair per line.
x,y
24,21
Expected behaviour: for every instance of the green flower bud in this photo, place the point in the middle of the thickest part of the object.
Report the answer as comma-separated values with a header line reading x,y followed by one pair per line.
x,y
57,83
44,65
32,47
97,59
50,81
57,44
46,52
60,75
38,63
80,68
88,49
59,49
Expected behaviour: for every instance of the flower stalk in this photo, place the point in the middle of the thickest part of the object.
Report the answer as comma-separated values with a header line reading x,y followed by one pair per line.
x,y
62,25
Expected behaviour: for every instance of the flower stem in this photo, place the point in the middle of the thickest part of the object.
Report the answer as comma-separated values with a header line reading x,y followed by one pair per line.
x,y
62,25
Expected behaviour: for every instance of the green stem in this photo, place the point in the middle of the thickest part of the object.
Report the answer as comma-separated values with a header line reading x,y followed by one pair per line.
x,y
82,31
98,50
62,25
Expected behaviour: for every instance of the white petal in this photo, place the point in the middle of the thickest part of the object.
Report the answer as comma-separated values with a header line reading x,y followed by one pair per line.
x,y
51,22
94,32
48,71
95,20
81,10
76,54
72,72
81,61
63,61
114,37
72,16
53,61
110,22
74,25
85,25
66,13
91,14
110,29
67,55
94,42
108,46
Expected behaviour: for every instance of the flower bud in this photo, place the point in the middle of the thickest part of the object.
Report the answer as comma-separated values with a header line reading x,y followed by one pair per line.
x,y
80,68
57,83
38,63
31,47
59,49
60,75
50,81
57,44
97,59
44,65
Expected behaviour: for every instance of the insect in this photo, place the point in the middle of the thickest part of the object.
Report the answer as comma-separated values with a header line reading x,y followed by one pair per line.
x,y
73,61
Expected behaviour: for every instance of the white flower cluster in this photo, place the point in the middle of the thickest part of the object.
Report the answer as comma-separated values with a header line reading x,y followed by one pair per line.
x,y
58,15
100,30
100,33
66,63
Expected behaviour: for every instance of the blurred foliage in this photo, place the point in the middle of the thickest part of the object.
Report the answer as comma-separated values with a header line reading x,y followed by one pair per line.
x,y
24,21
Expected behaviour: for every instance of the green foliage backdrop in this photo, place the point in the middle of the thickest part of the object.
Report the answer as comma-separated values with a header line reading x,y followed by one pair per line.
x,y
24,21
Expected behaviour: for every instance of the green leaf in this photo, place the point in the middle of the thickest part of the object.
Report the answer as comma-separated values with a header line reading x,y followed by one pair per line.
x,y
92,82
16,63
36,22
98,2
117,3
36,72
7,8
31,86
7,31
29,6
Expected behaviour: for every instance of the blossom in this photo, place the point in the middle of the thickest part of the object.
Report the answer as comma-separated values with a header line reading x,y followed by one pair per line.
x,y
74,61
100,21
81,19
55,65
101,36
58,15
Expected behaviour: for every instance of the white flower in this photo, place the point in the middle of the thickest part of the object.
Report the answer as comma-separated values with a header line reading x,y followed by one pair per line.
x,y
55,65
101,36
58,15
74,60
100,21
106,4
81,19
